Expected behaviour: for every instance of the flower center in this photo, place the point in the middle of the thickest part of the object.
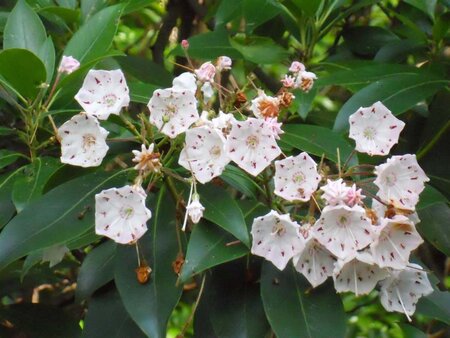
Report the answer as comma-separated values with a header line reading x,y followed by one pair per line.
x,y
369,133
88,141
252,141
298,177
215,151
109,100
342,221
126,212
391,179
278,229
171,109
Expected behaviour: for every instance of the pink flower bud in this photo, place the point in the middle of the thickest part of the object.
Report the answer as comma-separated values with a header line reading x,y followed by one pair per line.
x,y
68,65
288,81
224,63
296,67
185,44
206,72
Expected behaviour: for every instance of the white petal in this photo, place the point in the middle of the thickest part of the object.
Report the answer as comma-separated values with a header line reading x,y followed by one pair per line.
x,y
185,81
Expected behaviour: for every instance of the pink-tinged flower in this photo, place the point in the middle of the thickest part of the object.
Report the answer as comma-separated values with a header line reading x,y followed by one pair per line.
x,y
264,106
83,141
252,145
374,129
121,214
276,238
395,239
185,44
185,81
296,178
206,72
223,122
146,159
68,65
173,111
315,262
305,81
403,288
343,230
224,63
104,92
297,67
195,209
358,274
204,153
335,192
354,196
288,81
400,181
275,126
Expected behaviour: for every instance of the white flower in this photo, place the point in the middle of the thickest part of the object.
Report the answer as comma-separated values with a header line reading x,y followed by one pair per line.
x,y
252,145
146,159
173,111
315,262
354,196
374,129
343,230
403,288
207,91
275,126
104,92
206,72
395,240
185,81
223,122
121,214
223,63
296,178
288,81
400,181
265,106
380,211
358,274
195,209
276,238
305,80
68,65
204,153
335,192
83,141
297,67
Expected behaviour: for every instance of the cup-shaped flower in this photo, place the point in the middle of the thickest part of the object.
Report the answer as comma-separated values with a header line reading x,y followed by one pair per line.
x,y
195,209
68,65
251,145
394,241
264,106
358,274
400,181
185,81
83,141
204,153
104,92
276,238
121,214
403,288
374,129
343,230
305,81
296,177
172,111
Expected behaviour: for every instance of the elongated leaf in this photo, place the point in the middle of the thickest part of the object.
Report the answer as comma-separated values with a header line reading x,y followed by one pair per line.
x,y
434,226
239,180
8,157
367,40
64,213
94,38
256,12
207,248
260,50
222,209
398,93
7,208
317,141
90,7
145,70
47,55
150,305
293,310
436,305
97,269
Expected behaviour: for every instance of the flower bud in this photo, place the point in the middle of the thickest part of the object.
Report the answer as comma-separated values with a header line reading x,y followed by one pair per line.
x,y
206,72
296,67
68,65
185,44
224,63
195,209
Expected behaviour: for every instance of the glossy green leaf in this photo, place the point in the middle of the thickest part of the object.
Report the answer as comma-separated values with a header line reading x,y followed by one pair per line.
x,y
150,305
24,29
5,131
429,196
398,93
7,208
66,211
107,318
222,209
295,310
227,11
397,51
304,101
90,7
32,179
208,247
97,269
317,141
426,6
8,157
23,70
434,226
69,15
307,6
85,45
47,55
260,50
412,332
367,40
256,12
436,305
240,180
145,70
141,92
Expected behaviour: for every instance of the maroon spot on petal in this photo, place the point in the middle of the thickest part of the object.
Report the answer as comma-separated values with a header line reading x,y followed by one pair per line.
x,y
392,127
97,80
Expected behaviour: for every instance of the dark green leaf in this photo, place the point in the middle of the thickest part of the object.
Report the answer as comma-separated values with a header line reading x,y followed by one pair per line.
x,y
260,50
397,51
411,331
304,101
70,16
8,157
65,212
151,304
256,12
434,226
295,310
4,131
426,6
307,6
227,11
145,70
7,208
90,7
436,305
240,180
47,55
141,92
430,196
367,40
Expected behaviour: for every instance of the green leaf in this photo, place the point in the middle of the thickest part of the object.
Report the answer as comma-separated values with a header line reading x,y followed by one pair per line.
x,y
5,131
145,70
307,6
97,270
429,196
256,12
240,180
150,305
227,11
411,331
32,179
7,208
222,209
107,318
295,310
8,157
398,93
208,247
90,7
64,213
317,141
304,101
94,38
260,50
47,55
367,40
397,51
434,226
426,6
24,29
68,15
23,70
436,305
141,92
